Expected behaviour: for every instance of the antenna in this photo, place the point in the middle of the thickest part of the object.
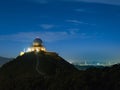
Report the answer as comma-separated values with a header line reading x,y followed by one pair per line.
x,y
24,50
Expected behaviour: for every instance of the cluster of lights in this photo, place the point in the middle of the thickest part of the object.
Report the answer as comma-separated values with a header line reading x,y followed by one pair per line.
x,y
36,47
33,49
22,53
29,50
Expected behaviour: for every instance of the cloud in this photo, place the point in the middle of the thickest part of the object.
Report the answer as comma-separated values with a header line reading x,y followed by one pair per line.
x,y
46,36
42,1
37,1
80,10
111,2
76,21
28,36
47,26
21,36
73,30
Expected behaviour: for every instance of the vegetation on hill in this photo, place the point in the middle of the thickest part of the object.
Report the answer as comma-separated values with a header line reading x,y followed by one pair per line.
x,y
21,74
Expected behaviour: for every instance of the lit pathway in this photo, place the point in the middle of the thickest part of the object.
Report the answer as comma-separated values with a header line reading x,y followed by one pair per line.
x,y
37,64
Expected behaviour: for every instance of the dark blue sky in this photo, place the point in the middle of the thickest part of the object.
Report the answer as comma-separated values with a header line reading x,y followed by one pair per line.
x,y
69,27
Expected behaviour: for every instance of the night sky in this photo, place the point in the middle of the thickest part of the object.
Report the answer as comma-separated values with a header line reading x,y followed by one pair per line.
x,y
68,27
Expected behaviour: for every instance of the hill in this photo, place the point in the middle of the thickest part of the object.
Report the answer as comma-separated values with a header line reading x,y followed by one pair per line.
x,y
4,60
32,66
48,71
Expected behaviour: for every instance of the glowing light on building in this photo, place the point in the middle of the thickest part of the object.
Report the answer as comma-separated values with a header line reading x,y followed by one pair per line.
x,y
22,53
28,50
37,46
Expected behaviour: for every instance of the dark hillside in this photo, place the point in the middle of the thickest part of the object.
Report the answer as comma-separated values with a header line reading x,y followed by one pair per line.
x,y
48,71
4,60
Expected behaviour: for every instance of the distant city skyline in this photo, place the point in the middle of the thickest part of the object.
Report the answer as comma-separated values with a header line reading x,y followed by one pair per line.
x,y
68,27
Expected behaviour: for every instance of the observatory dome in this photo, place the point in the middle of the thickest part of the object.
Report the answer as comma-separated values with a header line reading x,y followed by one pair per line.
x,y
37,42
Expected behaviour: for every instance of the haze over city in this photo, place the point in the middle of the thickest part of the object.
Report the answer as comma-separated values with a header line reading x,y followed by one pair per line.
x,y
71,28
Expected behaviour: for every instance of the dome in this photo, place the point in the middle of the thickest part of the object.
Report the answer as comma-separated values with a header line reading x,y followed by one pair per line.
x,y
37,42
